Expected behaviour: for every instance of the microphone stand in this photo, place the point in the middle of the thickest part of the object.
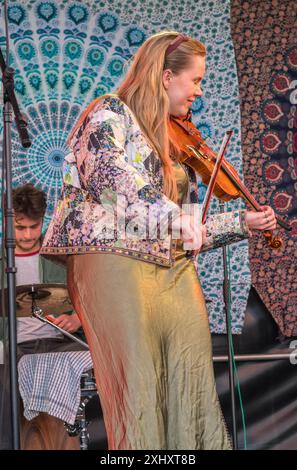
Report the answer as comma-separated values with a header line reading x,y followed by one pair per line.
x,y
10,103
226,285
205,206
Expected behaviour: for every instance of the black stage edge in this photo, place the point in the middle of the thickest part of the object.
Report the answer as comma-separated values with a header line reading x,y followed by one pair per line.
x,y
268,387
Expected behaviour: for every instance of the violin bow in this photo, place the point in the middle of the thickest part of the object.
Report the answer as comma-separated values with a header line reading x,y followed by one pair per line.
x,y
212,181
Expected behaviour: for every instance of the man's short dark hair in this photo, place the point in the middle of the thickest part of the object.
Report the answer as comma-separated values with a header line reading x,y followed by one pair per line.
x,y
29,201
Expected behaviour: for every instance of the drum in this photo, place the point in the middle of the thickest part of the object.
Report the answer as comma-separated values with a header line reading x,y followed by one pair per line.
x,y
46,432
39,390
89,423
96,427
48,395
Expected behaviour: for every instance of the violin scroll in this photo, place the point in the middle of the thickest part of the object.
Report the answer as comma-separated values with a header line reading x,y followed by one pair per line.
x,y
274,242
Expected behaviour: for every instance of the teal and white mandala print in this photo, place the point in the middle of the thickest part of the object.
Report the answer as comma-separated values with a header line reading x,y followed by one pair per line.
x,y
63,56
66,53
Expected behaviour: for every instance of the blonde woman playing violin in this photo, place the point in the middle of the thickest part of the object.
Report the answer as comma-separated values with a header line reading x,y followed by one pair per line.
x,y
136,292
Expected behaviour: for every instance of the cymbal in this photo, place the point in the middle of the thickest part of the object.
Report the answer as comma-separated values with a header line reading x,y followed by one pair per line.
x,y
51,298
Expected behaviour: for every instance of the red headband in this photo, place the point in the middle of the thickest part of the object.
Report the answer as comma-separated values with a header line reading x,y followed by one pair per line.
x,y
178,40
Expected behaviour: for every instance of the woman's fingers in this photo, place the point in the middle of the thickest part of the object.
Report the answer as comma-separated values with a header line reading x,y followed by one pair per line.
x,y
196,241
264,220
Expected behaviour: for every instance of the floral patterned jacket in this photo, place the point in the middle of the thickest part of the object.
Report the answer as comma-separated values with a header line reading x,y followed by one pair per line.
x,y
111,161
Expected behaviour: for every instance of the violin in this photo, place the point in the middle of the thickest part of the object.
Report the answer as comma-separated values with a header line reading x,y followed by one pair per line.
x,y
195,153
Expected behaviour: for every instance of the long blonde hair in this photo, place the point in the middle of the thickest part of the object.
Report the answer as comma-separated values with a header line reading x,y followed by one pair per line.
x,y
143,92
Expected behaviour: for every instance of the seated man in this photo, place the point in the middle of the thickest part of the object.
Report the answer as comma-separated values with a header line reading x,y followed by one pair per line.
x,y
33,335
29,206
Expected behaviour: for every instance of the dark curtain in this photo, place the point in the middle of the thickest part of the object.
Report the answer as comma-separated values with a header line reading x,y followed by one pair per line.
x,y
264,35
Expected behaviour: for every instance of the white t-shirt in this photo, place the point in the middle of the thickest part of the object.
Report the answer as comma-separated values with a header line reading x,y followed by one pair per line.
x,y
29,328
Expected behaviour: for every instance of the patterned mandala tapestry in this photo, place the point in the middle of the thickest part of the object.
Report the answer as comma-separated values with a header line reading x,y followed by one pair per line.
x,y
265,40
67,53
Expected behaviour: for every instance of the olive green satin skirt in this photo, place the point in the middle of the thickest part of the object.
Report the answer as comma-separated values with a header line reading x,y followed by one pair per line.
x,y
147,327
